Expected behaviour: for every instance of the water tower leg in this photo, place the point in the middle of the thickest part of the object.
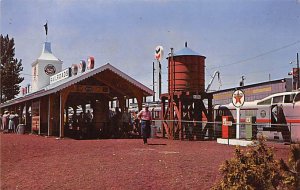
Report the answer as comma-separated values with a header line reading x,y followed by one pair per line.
x,y
198,118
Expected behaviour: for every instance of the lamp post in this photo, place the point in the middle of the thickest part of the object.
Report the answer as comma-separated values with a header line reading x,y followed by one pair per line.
x,y
297,73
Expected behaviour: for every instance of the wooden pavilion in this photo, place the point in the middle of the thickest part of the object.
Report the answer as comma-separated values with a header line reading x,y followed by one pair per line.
x,y
47,111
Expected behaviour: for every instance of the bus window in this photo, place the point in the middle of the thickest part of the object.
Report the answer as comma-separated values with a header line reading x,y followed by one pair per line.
x,y
265,102
297,98
288,98
278,99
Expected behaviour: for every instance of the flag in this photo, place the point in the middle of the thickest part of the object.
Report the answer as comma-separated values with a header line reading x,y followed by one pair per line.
x,y
46,28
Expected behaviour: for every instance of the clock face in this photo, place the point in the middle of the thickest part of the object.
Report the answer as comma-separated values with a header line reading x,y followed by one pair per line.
x,y
50,70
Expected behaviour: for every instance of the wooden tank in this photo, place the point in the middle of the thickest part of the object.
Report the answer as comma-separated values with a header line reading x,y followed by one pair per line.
x,y
186,71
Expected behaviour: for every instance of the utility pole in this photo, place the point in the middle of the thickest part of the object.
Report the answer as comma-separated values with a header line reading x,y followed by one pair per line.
x,y
153,82
0,82
298,79
159,80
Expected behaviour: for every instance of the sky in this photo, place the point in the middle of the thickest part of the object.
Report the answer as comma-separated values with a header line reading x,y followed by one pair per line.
x,y
253,38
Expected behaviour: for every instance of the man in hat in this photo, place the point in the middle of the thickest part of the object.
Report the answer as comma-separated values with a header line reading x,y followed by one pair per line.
x,y
146,118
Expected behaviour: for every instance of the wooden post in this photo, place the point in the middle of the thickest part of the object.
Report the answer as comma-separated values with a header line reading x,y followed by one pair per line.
x,y
62,101
180,119
210,117
140,102
40,118
21,113
122,103
50,115
163,110
61,116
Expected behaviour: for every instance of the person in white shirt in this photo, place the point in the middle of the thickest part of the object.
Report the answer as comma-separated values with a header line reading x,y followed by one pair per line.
x,y
146,118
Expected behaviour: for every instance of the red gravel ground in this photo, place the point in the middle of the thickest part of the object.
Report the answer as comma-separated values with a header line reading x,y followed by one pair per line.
x,y
36,162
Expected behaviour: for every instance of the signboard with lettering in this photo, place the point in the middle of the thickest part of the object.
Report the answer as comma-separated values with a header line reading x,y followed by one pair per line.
x,y
91,89
71,71
61,75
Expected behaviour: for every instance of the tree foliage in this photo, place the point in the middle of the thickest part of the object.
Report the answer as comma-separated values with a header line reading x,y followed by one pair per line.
x,y
291,171
10,69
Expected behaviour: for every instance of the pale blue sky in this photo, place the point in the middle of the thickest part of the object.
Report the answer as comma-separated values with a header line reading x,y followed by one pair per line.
x,y
265,33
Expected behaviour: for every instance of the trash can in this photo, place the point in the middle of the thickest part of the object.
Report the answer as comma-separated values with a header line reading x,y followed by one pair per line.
x,y
249,127
21,129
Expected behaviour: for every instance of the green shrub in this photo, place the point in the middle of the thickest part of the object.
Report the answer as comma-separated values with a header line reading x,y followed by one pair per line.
x,y
291,171
254,168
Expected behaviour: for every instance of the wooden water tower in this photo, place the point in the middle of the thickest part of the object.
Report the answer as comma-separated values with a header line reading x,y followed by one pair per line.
x,y
186,91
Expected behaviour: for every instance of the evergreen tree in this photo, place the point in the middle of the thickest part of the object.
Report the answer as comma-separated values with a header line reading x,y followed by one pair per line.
x,y
10,69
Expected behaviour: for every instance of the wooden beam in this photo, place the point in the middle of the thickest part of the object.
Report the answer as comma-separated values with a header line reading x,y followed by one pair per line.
x,y
110,84
89,89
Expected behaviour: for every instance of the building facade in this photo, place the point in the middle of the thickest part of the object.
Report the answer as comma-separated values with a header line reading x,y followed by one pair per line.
x,y
254,91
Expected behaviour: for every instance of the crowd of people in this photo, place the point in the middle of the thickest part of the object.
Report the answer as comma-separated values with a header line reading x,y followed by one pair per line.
x,y
9,122
121,125
125,124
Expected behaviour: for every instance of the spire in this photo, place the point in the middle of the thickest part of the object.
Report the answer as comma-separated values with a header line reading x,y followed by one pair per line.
x,y
47,48
47,52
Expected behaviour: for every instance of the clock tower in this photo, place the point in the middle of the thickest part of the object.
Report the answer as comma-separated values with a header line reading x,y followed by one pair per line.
x,y
44,67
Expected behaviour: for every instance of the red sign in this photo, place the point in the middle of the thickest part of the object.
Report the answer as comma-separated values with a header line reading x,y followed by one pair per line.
x,y
238,98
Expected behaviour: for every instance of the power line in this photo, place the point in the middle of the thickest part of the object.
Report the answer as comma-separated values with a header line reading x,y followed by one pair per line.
x,y
260,55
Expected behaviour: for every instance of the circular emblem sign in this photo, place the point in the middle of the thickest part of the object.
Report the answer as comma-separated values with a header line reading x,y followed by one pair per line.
x,y
263,113
159,53
91,62
238,98
50,69
74,69
81,66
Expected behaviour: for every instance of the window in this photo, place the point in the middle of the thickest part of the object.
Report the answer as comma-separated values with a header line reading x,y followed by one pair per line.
x,y
278,99
265,102
288,98
297,98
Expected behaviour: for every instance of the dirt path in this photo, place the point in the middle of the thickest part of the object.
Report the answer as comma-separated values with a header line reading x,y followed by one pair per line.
x,y
36,162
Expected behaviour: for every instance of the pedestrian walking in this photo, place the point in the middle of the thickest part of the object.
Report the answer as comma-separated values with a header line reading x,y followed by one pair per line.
x,y
146,118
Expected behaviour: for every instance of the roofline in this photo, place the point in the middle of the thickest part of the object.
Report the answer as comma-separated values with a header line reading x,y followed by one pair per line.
x,y
251,85
48,90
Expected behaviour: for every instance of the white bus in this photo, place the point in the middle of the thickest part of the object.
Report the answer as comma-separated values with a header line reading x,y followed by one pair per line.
x,y
277,116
